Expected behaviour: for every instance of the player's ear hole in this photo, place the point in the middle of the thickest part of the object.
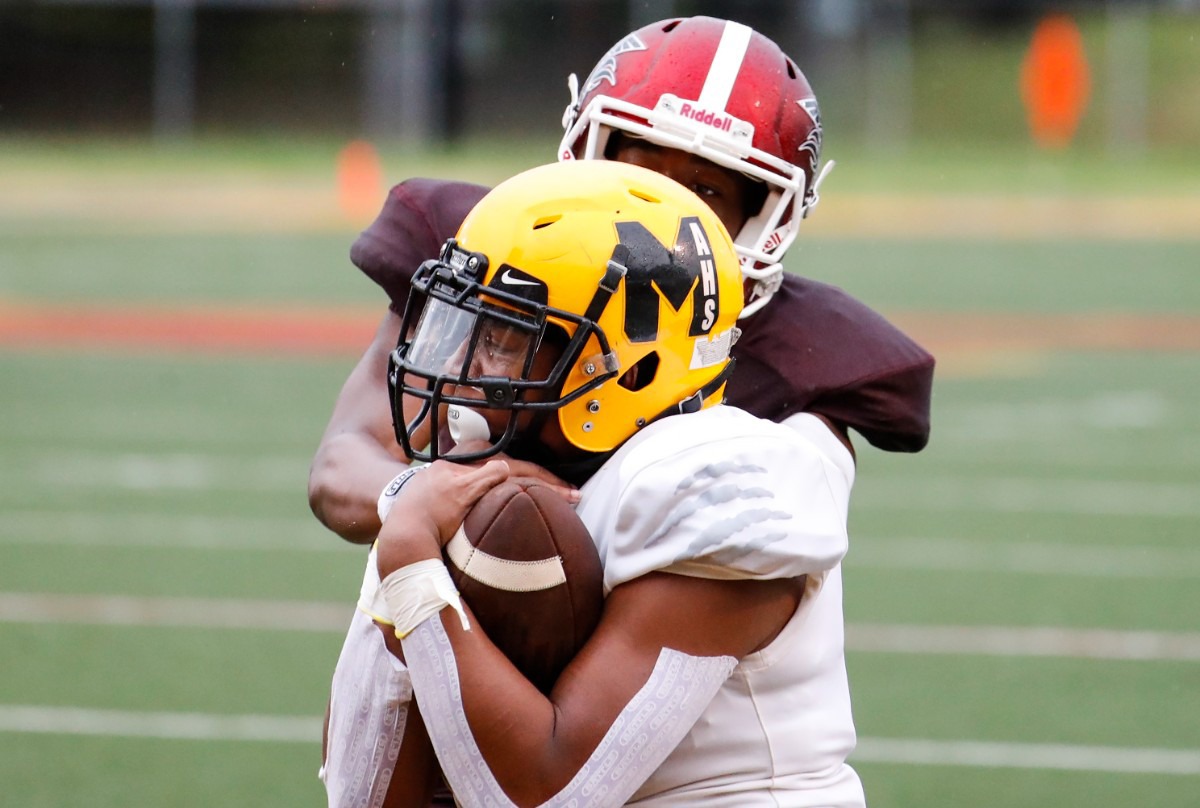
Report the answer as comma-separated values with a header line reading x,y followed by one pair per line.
x,y
641,374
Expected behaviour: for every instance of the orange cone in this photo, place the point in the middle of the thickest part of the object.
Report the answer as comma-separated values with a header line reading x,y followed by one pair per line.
x,y
1055,81
359,180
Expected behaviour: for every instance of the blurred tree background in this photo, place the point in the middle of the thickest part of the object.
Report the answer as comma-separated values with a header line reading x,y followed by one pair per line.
x,y
432,72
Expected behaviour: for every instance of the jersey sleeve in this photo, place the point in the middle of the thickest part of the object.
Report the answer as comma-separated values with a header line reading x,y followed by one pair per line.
x,y
735,505
814,348
417,218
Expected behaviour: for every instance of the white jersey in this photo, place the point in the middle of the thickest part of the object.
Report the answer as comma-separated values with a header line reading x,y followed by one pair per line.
x,y
717,494
721,494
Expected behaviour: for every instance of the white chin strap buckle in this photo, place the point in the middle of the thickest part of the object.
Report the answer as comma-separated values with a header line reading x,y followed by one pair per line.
x,y
466,425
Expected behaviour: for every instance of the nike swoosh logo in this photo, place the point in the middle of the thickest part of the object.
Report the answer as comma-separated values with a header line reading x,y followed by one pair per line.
x,y
512,280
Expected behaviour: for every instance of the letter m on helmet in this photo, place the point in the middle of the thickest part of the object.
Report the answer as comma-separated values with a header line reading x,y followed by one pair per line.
x,y
657,273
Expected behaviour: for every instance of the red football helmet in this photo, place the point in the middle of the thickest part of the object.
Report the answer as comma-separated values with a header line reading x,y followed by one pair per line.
x,y
722,91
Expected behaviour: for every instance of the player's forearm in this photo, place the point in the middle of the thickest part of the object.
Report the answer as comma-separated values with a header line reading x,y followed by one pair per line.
x,y
416,775
507,719
500,741
348,473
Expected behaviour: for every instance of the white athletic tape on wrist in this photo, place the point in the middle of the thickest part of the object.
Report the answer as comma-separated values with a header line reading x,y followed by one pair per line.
x,y
418,592
646,731
390,491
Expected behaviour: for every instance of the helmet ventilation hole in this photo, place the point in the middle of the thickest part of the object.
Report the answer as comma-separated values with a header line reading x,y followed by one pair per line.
x,y
644,196
641,374
546,222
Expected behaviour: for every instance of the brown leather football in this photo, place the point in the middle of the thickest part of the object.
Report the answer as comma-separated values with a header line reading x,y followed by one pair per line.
x,y
527,567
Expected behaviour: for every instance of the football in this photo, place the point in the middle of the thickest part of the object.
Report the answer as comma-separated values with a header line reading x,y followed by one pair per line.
x,y
526,565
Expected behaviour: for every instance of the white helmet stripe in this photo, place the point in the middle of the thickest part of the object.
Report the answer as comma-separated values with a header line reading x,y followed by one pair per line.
x,y
735,41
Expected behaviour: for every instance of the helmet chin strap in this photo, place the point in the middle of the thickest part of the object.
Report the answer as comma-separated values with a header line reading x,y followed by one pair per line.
x,y
815,196
765,288
572,110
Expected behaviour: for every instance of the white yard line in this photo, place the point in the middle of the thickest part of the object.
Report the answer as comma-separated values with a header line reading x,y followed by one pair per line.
x,y
175,726
302,534
286,474
276,615
163,530
120,610
987,754
1033,641
172,471
16,718
1025,557
1025,495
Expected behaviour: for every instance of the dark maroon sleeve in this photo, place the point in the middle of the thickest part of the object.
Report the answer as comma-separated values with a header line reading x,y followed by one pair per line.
x,y
816,349
417,218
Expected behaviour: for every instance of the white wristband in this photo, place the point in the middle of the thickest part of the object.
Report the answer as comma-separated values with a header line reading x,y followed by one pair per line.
x,y
390,491
419,591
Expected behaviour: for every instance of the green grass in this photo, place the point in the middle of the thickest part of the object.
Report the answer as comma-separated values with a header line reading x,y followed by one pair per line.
x,y
956,164
1040,701
1052,276
45,772
1055,492
915,274
237,158
176,268
899,787
157,669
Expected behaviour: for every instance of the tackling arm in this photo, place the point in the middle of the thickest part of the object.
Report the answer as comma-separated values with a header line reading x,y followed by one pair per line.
x,y
358,454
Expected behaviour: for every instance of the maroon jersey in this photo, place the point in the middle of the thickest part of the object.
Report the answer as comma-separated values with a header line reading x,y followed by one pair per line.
x,y
813,348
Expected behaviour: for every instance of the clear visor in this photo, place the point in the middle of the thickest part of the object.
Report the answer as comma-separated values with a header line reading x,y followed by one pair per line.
x,y
465,345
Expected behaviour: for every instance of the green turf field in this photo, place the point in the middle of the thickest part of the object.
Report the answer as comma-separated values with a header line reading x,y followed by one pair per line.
x,y
1021,598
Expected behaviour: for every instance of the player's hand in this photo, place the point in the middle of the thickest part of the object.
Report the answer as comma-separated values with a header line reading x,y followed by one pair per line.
x,y
430,508
442,495
524,472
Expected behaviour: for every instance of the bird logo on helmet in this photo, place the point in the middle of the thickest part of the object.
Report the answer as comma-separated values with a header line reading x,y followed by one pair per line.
x,y
606,68
727,93
601,295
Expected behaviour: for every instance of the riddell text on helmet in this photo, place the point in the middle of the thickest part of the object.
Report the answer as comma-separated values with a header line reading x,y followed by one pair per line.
x,y
706,117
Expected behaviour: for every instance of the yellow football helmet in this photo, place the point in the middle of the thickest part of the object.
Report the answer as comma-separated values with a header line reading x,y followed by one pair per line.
x,y
600,291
